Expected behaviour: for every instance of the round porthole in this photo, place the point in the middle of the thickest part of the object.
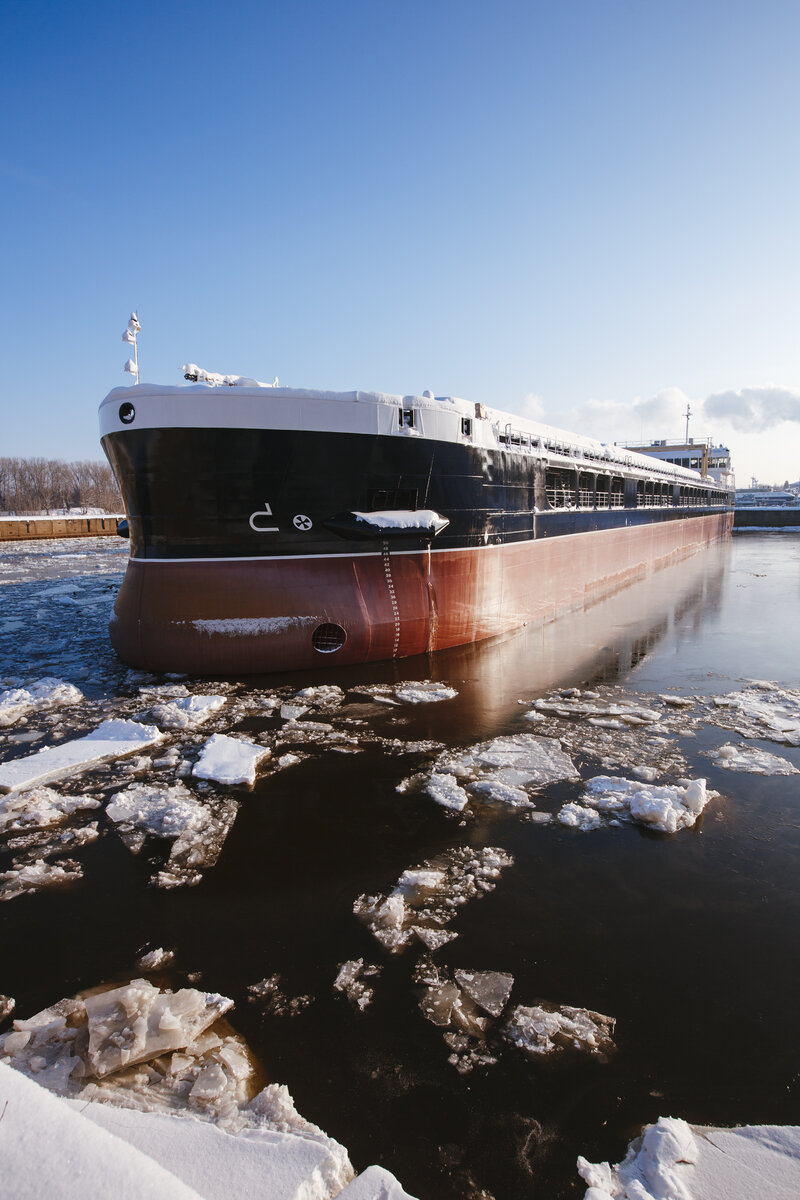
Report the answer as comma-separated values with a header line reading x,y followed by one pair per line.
x,y
126,412
328,638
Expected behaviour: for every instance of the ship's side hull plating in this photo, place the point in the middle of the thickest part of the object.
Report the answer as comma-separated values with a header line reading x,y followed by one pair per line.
x,y
260,615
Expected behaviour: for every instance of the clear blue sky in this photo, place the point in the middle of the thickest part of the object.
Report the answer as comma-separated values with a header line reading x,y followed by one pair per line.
x,y
584,210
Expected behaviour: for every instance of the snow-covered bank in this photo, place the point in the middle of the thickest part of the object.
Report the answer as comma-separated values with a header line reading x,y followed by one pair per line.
x,y
158,1100
676,1161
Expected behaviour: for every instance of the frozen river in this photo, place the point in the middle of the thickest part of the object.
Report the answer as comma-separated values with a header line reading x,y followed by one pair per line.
x,y
476,911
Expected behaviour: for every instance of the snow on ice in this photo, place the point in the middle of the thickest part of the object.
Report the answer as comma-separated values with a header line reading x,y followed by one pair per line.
x,y
229,760
424,899
186,712
667,808
111,739
19,702
673,1160
761,710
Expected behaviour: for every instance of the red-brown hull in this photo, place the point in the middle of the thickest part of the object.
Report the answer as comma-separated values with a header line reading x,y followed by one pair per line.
x,y
260,615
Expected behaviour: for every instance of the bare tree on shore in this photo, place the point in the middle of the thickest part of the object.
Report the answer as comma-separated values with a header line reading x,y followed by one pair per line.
x,y
29,486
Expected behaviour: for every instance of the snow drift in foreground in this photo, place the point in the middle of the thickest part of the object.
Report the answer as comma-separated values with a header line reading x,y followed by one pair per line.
x,y
676,1161
158,1059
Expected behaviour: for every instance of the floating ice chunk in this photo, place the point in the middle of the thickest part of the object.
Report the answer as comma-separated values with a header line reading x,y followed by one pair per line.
x,y
324,695
199,829
424,692
293,712
489,989
446,791
229,760
677,701
270,996
134,1023
623,711
7,1006
39,808
112,739
541,1031
187,712
30,877
420,906
668,807
351,982
494,789
154,960
498,771
750,759
579,817
45,693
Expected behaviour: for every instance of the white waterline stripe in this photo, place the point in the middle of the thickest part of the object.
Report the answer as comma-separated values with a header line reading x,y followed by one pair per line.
x,y
377,553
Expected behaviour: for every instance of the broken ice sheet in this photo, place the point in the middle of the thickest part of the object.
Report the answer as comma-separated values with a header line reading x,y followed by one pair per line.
x,y
22,878
666,808
425,899
39,808
761,710
540,1030
463,1003
351,982
155,959
501,771
114,738
198,828
750,759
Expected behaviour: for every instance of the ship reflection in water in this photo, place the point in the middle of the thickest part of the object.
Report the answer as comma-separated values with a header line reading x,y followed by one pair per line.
x,y
678,940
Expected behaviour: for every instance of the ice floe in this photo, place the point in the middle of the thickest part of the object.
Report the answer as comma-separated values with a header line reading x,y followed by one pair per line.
x,y
198,828
7,1006
502,771
351,982
425,899
156,959
112,739
544,1031
229,760
761,710
666,807
19,702
751,759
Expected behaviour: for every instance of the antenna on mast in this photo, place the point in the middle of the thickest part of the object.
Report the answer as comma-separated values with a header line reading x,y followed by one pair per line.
x,y
688,414
129,336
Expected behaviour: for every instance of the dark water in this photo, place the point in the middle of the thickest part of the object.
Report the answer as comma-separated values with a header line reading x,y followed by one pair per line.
x,y
689,941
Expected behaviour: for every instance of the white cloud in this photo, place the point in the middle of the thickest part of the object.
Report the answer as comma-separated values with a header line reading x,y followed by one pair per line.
x,y
754,410
760,425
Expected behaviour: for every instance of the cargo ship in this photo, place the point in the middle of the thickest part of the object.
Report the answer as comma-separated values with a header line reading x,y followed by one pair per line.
x,y
275,528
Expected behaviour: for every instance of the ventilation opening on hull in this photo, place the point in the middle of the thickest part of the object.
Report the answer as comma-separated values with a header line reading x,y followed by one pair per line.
x,y
327,638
